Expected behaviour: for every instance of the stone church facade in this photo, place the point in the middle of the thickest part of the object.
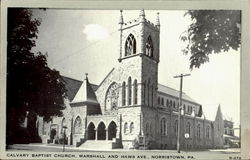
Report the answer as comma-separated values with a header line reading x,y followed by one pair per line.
x,y
129,108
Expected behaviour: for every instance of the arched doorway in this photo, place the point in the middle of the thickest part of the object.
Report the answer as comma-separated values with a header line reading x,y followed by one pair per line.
x,y
91,131
101,132
52,134
112,130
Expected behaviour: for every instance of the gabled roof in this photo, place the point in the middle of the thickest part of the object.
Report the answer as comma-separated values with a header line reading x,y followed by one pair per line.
x,y
172,92
107,76
73,86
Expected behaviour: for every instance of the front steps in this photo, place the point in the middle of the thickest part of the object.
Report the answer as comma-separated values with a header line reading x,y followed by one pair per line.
x,y
100,144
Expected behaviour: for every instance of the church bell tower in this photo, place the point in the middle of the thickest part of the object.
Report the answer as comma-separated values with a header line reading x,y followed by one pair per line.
x,y
139,54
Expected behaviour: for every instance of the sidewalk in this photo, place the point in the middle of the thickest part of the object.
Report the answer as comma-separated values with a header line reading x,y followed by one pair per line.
x,y
58,147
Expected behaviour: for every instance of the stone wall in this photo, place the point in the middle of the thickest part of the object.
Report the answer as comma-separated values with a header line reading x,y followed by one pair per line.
x,y
130,115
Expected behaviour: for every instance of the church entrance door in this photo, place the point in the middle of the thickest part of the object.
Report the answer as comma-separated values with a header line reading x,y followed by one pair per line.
x,y
91,131
52,135
112,130
101,132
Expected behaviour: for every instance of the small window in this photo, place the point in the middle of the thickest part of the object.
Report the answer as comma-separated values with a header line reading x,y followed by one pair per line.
x,y
147,129
162,101
135,91
199,131
129,91
208,132
132,127
188,128
123,94
149,47
159,100
125,128
163,127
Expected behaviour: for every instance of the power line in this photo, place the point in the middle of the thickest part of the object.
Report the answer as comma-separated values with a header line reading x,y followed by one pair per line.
x,y
81,49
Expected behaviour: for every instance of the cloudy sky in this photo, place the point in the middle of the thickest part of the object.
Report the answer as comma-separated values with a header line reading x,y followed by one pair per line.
x,y
87,41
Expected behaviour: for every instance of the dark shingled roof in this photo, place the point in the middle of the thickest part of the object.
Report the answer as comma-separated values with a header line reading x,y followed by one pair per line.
x,y
73,85
174,92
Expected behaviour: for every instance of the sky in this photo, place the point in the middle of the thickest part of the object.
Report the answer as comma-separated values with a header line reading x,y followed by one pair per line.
x,y
87,41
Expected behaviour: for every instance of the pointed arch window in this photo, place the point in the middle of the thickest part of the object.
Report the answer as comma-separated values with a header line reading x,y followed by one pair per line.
x,y
125,128
207,132
162,101
199,131
123,94
132,127
163,127
135,91
129,91
111,98
147,129
78,125
188,128
130,45
149,47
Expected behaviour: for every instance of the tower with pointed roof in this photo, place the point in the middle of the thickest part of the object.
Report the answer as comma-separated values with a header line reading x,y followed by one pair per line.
x,y
218,129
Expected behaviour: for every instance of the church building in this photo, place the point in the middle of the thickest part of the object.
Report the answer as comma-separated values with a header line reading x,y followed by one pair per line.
x,y
129,109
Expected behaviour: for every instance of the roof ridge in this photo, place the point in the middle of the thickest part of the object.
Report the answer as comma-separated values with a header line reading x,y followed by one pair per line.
x,y
93,84
71,78
170,88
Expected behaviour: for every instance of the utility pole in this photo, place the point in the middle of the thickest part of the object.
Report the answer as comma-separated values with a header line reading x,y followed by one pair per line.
x,y
180,108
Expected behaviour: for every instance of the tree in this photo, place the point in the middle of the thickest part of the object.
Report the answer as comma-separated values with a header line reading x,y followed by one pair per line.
x,y
211,31
32,87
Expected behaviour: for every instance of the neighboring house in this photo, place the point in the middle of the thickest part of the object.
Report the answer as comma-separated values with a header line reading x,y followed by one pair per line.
x,y
129,105
230,140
